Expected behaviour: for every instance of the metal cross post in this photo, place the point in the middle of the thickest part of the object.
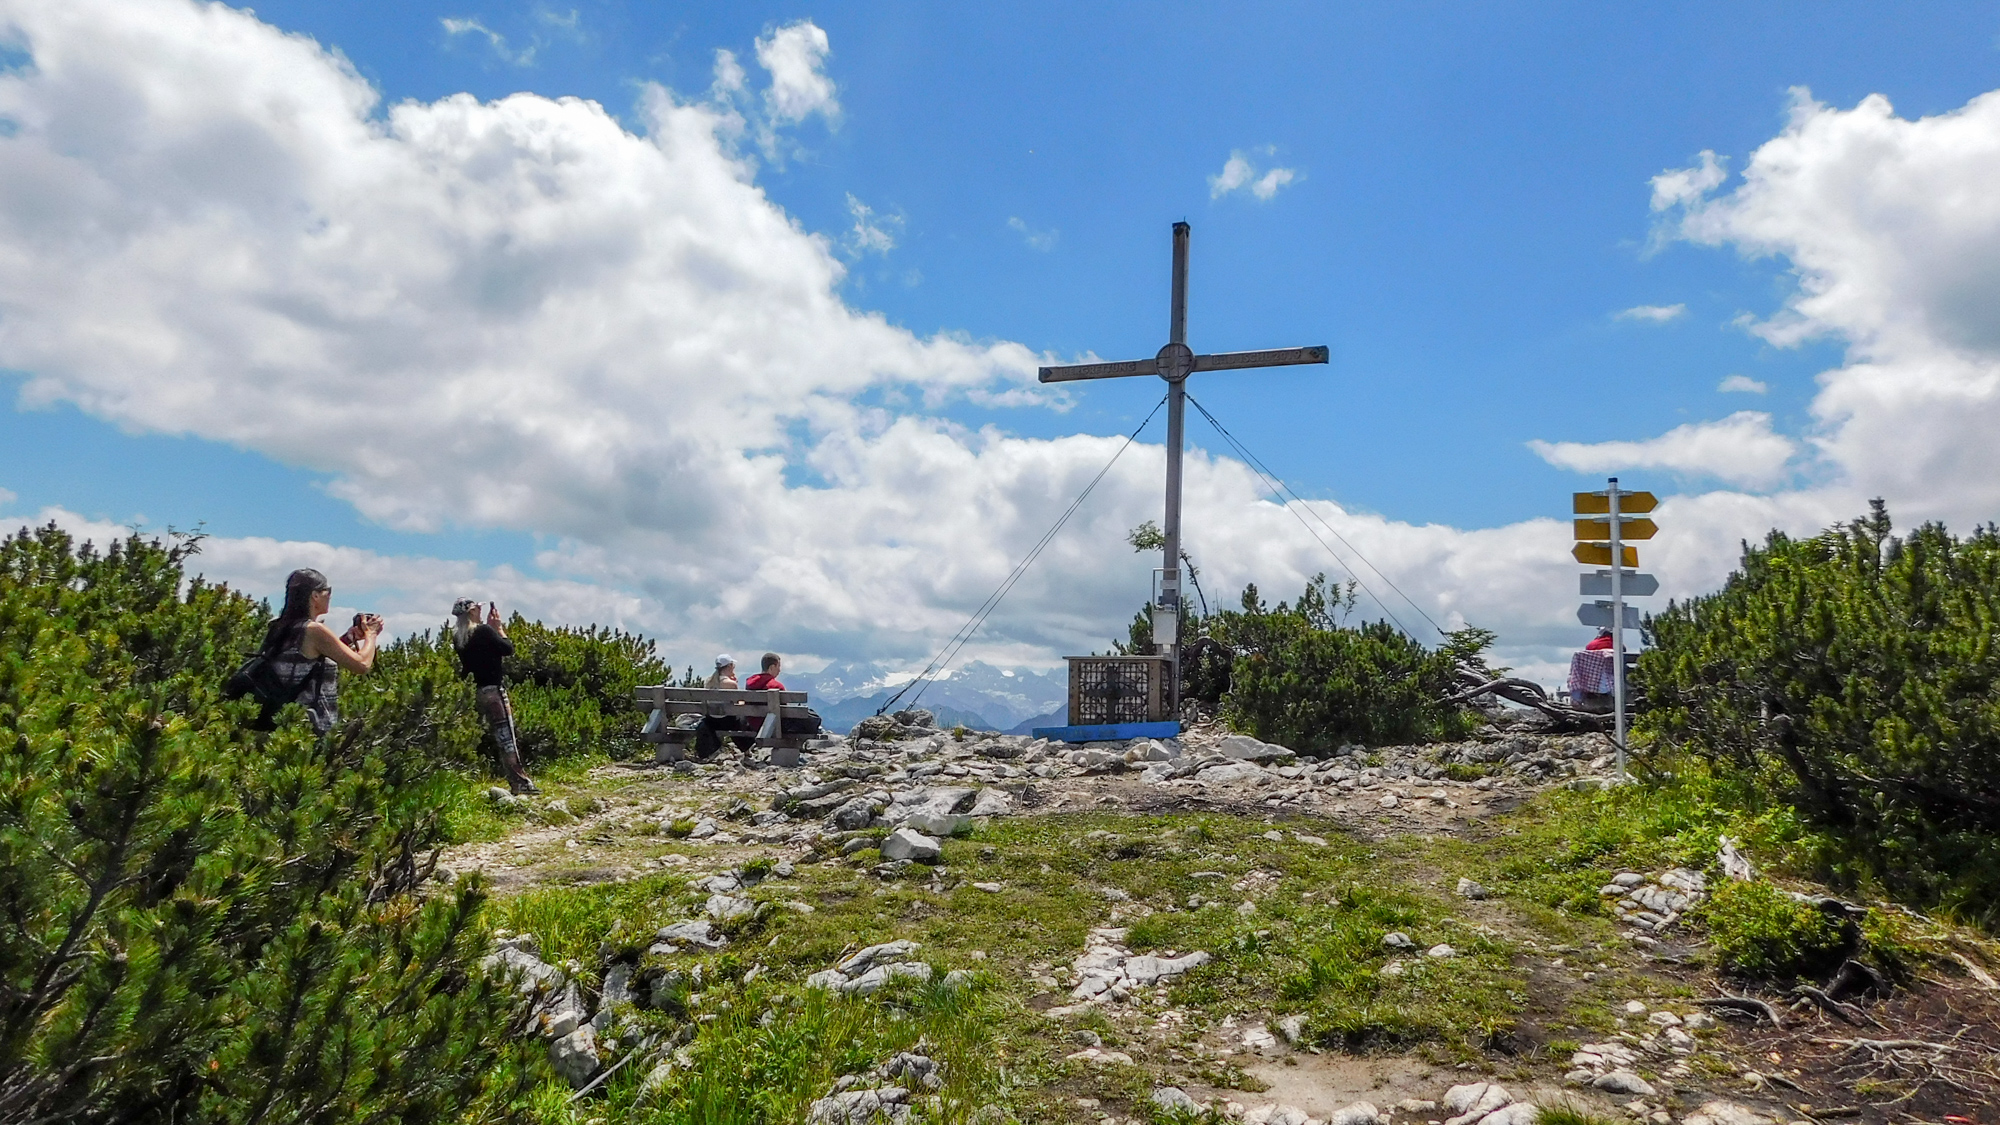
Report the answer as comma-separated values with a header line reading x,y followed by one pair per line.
x,y
1174,363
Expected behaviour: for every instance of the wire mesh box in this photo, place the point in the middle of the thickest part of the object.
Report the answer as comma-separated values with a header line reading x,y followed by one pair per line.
x,y
1117,689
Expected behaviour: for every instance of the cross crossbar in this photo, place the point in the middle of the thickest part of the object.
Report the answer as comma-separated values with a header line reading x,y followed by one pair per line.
x,y
1221,361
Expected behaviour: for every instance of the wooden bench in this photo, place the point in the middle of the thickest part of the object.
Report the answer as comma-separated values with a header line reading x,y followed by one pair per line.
x,y
761,713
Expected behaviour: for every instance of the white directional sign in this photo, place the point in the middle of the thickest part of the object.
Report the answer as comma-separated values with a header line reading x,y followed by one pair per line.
x,y
1598,615
1598,584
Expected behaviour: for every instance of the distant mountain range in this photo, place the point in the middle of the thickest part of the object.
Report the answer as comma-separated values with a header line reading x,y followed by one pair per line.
x,y
977,696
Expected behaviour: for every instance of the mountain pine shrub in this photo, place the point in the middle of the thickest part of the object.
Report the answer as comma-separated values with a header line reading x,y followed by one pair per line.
x,y
1855,677
1298,675
206,923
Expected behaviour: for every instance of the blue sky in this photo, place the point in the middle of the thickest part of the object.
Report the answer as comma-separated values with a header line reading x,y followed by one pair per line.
x,y
1469,214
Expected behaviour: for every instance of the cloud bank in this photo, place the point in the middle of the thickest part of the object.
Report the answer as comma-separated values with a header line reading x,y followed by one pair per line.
x,y
1741,449
522,314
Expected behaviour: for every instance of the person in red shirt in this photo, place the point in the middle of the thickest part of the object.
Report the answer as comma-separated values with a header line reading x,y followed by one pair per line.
x,y
1602,642
767,680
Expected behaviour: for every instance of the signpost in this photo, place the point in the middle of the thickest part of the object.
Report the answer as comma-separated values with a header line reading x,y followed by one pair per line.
x,y
1174,363
1600,542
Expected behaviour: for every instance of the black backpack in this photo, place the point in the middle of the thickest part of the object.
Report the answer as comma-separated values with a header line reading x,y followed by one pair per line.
x,y
272,683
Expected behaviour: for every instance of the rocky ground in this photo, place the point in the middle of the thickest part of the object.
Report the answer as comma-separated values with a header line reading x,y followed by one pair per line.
x,y
1613,1021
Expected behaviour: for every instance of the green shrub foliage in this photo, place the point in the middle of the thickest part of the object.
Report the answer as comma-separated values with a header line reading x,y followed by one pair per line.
x,y
1296,674
205,923
1757,930
1855,676
573,688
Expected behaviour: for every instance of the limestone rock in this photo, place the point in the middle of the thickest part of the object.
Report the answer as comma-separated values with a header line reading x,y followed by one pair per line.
x,y
906,843
861,1107
1234,771
872,981
991,802
1516,1113
1727,1113
699,932
574,1056
724,907
1623,1082
1243,748
1471,890
1360,1113
885,953
853,814
1471,1102
1174,1099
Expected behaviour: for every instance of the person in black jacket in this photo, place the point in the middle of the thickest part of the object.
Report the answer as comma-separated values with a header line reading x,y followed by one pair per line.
x,y
482,645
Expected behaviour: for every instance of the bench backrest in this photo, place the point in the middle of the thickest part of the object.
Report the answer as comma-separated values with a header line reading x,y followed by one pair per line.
x,y
658,694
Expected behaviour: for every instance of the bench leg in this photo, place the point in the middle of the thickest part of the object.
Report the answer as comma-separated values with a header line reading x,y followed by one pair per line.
x,y
667,753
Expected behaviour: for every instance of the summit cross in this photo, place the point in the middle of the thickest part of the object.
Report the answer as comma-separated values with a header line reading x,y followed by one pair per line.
x,y
1174,363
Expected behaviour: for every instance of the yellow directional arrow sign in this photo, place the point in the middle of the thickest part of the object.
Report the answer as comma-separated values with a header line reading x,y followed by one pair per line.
x,y
1627,529
1599,554
1629,503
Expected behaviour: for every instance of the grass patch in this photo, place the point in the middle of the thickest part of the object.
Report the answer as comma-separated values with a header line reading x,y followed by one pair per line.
x,y
1312,945
469,816
1573,842
1564,1113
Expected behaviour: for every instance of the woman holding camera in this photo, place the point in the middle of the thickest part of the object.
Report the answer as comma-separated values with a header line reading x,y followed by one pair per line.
x,y
482,647
303,650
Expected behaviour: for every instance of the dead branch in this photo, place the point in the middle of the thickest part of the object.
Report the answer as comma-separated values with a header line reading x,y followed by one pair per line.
x,y
1892,1045
1746,1006
1845,1013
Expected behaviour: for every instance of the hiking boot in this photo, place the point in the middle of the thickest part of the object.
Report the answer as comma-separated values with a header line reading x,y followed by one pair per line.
x,y
523,786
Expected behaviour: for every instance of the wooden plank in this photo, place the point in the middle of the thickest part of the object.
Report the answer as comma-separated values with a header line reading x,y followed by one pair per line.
x,y
1116,370
658,692
1599,503
1599,554
1632,527
1275,357
733,710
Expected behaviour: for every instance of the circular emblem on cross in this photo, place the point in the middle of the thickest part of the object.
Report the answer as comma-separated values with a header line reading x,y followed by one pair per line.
x,y
1176,362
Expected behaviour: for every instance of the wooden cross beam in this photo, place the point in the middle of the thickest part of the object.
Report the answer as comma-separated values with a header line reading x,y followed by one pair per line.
x,y
1174,363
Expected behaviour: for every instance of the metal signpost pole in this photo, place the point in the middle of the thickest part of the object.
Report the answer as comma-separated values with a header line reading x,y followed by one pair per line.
x,y
1617,627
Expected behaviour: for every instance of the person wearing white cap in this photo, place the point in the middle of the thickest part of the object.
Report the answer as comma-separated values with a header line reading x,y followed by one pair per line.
x,y
724,675
708,738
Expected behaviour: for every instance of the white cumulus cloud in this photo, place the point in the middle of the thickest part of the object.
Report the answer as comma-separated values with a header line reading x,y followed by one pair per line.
x,y
1036,239
795,55
1892,230
1238,173
1741,449
1653,314
1742,385
872,232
